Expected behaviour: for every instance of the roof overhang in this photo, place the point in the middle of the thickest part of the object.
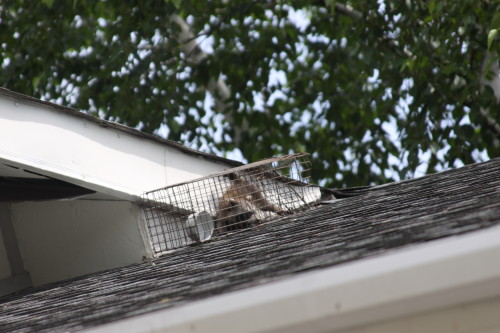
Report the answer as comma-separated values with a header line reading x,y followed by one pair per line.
x,y
62,143
426,277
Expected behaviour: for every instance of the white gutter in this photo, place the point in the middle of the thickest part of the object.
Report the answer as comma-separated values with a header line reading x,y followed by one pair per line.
x,y
424,277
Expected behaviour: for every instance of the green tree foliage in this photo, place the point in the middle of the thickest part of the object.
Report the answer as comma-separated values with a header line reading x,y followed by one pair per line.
x,y
333,79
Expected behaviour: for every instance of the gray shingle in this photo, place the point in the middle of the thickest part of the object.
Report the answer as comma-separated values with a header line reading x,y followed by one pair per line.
x,y
367,222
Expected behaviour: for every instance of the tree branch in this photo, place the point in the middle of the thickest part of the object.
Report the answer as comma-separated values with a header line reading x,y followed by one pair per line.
x,y
217,88
347,11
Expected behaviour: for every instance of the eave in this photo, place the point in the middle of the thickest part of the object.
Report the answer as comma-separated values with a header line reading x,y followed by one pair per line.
x,y
102,156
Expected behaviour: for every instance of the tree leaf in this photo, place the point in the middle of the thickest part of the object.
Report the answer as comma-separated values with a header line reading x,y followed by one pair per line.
x,y
432,7
35,81
491,36
48,3
176,3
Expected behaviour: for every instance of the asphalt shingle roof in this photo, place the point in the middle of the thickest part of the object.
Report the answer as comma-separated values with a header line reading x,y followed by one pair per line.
x,y
371,222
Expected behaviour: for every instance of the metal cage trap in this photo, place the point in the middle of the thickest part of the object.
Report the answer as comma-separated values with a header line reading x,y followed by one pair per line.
x,y
238,198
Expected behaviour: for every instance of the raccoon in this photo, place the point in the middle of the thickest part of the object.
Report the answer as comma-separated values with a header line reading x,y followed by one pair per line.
x,y
242,205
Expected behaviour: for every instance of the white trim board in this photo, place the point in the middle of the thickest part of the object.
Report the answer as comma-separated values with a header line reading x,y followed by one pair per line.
x,y
82,151
434,275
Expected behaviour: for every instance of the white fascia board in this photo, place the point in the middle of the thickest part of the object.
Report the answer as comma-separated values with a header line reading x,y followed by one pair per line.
x,y
39,138
435,275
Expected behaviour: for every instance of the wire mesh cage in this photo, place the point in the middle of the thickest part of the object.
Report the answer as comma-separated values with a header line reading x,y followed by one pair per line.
x,y
236,199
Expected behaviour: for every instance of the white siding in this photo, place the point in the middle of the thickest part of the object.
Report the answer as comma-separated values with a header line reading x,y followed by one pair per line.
x,y
64,239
